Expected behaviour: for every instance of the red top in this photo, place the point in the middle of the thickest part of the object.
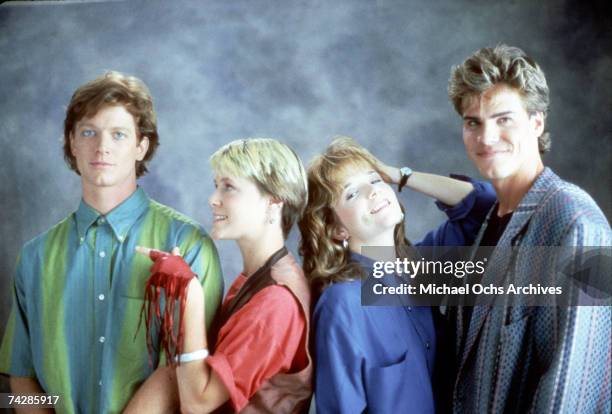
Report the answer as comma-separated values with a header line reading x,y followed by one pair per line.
x,y
261,339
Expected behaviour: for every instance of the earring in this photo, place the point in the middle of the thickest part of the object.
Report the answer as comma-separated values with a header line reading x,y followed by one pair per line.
x,y
344,244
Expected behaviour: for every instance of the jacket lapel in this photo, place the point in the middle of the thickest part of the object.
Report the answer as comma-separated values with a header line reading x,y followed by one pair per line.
x,y
500,260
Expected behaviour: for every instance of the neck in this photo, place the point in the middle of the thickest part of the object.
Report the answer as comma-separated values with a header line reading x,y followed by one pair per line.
x,y
383,240
104,199
255,252
511,190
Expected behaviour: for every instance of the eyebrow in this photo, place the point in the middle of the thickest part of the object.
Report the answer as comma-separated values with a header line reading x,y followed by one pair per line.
x,y
495,115
81,124
349,183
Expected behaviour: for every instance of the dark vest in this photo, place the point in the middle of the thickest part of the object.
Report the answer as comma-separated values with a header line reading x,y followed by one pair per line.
x,y
282,393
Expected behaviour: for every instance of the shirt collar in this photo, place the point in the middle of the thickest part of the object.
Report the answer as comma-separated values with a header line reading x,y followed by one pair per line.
x,y
364,261
120,219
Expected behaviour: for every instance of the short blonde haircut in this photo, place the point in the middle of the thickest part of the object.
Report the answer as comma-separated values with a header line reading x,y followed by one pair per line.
x,y
273,167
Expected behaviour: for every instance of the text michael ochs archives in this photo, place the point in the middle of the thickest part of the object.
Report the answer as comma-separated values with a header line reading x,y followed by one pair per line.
x,y
433,276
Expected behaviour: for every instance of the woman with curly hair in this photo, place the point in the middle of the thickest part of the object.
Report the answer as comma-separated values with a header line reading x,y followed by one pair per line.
x,y
378,359
260,362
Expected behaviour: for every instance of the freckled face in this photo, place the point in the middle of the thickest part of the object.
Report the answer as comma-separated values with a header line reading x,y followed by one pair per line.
x,y
368,208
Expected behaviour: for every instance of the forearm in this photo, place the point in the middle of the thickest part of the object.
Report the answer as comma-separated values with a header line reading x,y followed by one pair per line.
x,y
27,385
445,189
159,394
193,377
448,190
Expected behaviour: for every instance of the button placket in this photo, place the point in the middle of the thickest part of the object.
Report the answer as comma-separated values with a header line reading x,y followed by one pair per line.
x,y
101,285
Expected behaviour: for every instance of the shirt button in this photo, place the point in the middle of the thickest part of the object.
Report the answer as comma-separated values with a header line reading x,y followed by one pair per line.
x,y
102,254
102,339
100,383
82,239
120,238
101,296
102,220
427,345
410,308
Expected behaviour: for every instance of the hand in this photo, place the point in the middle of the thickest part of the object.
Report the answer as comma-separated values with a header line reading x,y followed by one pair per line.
x,y
391,175
154,254
171,277
166,265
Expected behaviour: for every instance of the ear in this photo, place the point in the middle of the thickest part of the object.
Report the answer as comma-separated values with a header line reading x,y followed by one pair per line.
x,y
538,123
71,141
142,148
340,233
275,205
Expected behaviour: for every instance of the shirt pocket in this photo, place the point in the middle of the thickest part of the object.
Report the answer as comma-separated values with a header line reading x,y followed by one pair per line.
x,y
404,386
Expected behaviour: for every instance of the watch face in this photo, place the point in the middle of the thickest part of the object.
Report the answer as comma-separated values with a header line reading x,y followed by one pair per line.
x,y
405,171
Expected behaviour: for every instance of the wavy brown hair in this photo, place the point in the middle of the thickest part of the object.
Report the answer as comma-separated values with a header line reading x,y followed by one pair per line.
x,y
113,89
325,261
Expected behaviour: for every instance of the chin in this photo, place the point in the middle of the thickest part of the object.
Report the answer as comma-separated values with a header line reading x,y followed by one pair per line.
x,y
489,171
216,233
391,221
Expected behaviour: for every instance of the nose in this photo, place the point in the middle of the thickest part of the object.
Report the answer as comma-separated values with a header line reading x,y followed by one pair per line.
x,y
104,141
214,200
373,192
489,134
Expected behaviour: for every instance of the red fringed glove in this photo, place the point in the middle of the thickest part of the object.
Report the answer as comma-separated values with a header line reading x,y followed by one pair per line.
x,y
173,275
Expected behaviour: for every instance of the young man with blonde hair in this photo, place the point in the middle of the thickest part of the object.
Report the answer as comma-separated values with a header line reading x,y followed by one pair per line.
x,y
78,288
517,359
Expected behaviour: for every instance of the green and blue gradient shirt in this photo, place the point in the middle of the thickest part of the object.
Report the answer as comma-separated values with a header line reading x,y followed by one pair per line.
x,y
77,297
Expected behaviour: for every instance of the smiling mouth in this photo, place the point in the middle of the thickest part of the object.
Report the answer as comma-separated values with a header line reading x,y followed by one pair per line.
x,y
381,206
491,154
218,218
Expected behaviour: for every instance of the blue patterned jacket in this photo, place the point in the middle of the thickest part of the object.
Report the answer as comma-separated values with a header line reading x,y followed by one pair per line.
x,y
527,359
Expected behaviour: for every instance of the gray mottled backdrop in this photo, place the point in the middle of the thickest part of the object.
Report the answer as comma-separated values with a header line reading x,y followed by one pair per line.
x,y
298,71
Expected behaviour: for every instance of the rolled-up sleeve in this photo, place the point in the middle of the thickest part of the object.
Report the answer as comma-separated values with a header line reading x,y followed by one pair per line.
x,y
464,218
261,339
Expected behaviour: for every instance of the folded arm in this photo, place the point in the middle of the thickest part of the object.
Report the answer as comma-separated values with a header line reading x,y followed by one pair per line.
x,y
448,190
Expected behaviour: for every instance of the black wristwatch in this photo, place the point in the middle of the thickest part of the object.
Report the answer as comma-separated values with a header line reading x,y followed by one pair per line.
x,y
405,173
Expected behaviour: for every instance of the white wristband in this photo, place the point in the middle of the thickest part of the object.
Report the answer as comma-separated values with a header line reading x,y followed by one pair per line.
x,y
192,356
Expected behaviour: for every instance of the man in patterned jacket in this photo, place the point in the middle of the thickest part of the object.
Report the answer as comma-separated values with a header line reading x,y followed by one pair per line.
x,y
519,359
79,286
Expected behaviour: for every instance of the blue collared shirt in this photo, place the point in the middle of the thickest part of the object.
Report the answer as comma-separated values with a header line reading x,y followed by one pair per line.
x,y
381,358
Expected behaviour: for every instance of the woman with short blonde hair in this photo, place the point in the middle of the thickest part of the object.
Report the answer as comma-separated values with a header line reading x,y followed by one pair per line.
x,y
260,361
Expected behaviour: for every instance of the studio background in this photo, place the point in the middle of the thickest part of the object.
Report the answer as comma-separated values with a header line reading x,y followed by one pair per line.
x,y
298,71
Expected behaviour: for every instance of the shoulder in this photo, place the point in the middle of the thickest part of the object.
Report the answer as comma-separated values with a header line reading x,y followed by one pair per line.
x,y
338,299
288,272
56,234
161,216
568,205
273,306
168,213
